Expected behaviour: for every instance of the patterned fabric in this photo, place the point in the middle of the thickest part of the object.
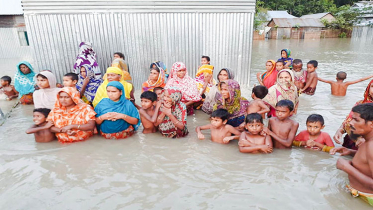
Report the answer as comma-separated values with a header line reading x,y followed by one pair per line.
x,y
187,85
160,65
119,63
24,83
310,91
46,98
91,89
203,71
123,106
101,91
148,86
287,59
269,78
27,99
119,135
178,109
367,197
209,102
86,55
236,105
300,76
80,114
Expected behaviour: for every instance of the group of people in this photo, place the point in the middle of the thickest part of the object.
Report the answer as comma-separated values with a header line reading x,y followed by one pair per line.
x,y
89,103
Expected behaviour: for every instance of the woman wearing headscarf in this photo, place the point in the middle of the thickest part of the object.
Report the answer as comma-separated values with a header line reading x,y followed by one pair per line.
x,y
119,63
204,79
87,84
72,119
118,117
160,65
113,74
172,117
283,89
285,57
87,55
350,139
229,98
210,100
46,96
24,82
156,78
269,77
179,78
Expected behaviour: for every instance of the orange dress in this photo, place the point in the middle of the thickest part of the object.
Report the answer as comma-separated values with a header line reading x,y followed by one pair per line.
x,y
80,114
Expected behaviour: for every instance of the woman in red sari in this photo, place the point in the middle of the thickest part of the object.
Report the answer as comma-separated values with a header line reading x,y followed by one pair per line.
x,y
269,77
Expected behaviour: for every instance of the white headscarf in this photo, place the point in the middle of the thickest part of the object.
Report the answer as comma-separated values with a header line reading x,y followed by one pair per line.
x,y
46,98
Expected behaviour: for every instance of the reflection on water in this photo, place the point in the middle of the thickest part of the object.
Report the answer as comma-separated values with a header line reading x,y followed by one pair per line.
x,y
152,172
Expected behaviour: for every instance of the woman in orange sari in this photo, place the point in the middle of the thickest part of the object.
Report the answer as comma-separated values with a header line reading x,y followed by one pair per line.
x,y
156,78
73,120
269,77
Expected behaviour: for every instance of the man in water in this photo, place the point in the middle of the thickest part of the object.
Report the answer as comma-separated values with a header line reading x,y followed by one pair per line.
x,y
360,169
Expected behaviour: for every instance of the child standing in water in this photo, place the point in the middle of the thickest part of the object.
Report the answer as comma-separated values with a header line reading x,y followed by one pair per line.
x,y
7,88
149,111
41,129
313,137
257,105
220,132
281,128
300,75
285,57
253,140
311,82
339,88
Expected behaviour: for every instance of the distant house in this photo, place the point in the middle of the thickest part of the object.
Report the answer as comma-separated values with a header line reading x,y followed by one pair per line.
x,y
295,28
322,16
366,8
278,14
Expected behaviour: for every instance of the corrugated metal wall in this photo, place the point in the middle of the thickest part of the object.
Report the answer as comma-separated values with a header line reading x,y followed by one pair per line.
x,y
144,37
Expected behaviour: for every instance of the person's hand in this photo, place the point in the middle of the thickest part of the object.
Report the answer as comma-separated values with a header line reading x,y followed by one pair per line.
x,y
227,139
266,149
360,141
208,78
49,124
8,98
71,132
310,143
266,130
201,136
159,104
66,128
86,81
343,150
166,111
338,136
343,163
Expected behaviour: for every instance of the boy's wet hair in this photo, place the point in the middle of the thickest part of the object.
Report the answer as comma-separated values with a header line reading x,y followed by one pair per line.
x,y
281,62
149,95
7,79
157,88
315,118
341,75
207,57
120,54
72,76
286,103
260,91
314,63
42,76
220,113
254,118
44,111
297,61
365,111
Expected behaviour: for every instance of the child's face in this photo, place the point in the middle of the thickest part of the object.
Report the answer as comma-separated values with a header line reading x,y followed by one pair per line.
x,y
42,82
116,56
297,67
68,82
4,83
167,100
223,75
154,74
224,91
159,94
217,122
146,103
284,78
113,77
65,99
113,93
269,66
24,69
38,118
311,68
283,54
204,61
254,128
282,112
279,66
314,128
181,73
83,72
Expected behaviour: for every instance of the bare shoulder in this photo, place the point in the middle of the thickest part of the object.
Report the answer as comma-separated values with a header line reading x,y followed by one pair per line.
x,y
294,123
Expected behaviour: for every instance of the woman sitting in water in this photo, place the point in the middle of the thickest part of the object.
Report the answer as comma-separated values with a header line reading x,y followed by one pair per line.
x,y
269,77
160,65
350,139
210,101
87,56
87,84
113,74
285,57
179,78
172,117
24,82
204,79
156,79
229,98
117,116
73,120
46,96
283,89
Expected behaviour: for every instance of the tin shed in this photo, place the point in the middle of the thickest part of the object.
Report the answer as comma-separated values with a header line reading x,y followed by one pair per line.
x,y
145,31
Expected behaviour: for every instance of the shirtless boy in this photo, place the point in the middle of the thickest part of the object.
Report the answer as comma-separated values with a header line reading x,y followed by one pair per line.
x,y
70,80
257,105
339,88
311,81
300,75
360,169
7,88
41,129
148,111
252,140
281,128
220,132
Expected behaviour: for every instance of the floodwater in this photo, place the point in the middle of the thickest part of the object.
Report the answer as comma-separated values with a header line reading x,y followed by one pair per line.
x,y
152,172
